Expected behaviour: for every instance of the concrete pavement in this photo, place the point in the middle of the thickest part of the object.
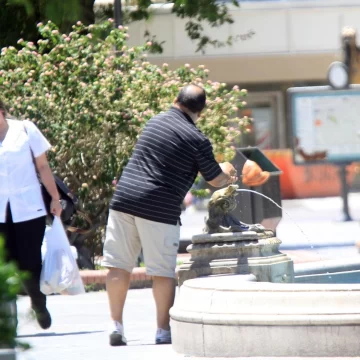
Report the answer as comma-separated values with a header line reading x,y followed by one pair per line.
x,y
80,325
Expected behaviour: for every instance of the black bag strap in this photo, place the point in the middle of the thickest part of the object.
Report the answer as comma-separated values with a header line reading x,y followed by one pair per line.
x,y
63,190
32,154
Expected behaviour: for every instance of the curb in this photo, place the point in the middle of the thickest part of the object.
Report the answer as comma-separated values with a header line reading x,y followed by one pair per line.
x,y
96,279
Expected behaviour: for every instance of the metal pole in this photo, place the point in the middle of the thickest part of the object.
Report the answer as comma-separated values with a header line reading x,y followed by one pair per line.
x,y
117,13
344,191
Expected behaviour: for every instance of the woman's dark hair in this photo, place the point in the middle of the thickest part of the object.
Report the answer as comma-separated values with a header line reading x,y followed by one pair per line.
x,y
3,107
192,97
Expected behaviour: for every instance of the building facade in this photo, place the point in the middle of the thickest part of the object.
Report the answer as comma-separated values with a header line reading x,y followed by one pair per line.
x,y
279,44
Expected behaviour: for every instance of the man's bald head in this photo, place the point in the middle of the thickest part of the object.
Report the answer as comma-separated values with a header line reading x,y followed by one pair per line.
x,y
193,98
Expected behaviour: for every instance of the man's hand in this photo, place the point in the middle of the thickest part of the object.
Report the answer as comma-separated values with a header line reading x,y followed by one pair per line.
x,y
252,175
230,171
228,176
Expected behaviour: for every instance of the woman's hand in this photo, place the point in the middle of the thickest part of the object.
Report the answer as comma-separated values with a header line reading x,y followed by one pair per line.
x,y
55,207
252,175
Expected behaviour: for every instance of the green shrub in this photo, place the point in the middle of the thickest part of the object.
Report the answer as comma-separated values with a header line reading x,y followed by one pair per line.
x,y
10,285
91,102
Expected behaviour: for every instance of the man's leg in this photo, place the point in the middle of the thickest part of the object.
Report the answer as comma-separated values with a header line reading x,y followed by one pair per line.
x,y
121,249
117,285
164,295
160,243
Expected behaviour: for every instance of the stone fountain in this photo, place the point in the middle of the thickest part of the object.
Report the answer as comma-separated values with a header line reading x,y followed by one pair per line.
x,y
229,246
237,297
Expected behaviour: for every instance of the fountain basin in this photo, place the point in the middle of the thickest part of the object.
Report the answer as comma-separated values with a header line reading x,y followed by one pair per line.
x,y
234,316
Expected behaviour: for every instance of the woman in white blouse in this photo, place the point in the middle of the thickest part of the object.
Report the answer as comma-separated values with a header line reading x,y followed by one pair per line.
x,y
22,209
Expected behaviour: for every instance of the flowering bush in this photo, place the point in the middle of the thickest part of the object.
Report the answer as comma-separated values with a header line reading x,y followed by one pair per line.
x,y
91,102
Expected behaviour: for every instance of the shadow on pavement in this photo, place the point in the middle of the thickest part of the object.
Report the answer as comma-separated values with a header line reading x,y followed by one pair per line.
x,y
57,334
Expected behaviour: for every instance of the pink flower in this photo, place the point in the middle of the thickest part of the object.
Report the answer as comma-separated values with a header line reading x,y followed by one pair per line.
x,y
149,43
89,36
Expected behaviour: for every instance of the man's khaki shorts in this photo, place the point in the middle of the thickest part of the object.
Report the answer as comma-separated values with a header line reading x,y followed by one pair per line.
x,y
127,234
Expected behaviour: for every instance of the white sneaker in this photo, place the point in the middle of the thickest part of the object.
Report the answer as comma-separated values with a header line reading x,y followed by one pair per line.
x,y
163,336
117,337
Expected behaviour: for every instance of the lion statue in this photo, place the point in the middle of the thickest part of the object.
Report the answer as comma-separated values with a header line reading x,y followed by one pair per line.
x,y
220,219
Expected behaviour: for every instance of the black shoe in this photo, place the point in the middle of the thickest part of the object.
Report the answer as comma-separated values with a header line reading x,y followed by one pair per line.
x,y
117,339
43,317
38,302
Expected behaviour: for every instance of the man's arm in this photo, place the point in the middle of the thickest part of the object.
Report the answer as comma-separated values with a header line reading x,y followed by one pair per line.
x,y
219,175
228,176
252,175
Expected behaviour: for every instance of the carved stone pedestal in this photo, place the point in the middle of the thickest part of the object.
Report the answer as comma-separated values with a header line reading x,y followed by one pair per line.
x,y
237,253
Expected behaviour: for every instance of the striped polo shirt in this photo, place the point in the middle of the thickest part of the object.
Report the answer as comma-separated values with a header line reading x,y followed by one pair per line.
x,y
167,157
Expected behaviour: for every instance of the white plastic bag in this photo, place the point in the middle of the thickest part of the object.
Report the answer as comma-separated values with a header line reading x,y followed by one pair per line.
x,y
60,273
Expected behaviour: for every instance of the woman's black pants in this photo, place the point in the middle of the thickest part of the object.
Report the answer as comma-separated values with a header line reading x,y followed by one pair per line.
x,y
23,242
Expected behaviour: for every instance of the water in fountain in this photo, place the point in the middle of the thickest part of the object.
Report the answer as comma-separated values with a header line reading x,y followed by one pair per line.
x,y
274,202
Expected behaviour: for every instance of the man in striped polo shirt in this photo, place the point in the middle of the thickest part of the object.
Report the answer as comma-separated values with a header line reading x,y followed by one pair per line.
x,y
145,209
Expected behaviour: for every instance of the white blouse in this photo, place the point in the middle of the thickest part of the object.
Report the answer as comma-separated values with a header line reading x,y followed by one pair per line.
x,y
19,184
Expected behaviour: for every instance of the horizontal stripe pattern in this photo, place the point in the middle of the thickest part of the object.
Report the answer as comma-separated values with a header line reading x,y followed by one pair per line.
x,y
167,157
